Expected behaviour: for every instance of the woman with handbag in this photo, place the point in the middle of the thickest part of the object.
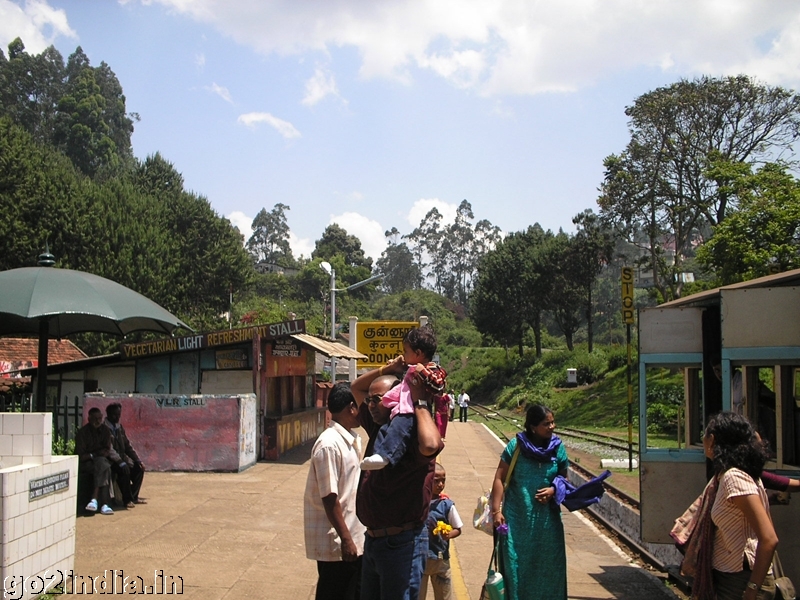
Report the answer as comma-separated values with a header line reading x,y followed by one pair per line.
x,y
533,553
744,539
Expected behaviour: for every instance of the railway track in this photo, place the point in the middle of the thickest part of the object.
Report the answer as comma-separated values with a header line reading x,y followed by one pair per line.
x,y
595,438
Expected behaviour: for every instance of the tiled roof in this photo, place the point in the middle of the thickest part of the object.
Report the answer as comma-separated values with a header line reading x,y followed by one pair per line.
x,y
27,349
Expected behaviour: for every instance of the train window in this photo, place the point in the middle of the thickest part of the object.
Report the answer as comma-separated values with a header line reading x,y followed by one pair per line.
x,y
666,407
770,400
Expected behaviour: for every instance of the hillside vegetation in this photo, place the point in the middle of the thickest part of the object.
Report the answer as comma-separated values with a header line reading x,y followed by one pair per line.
x,y
509,382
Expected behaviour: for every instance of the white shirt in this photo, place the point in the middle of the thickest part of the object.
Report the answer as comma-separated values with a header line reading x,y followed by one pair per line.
x,y
463,400
451,400
334,469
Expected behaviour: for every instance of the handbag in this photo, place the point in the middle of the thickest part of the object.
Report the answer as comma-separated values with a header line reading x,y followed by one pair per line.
x,y
482,518
784,588
494,587
693,532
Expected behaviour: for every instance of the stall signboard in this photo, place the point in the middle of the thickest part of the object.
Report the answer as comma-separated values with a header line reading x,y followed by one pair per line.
x,y
225,337
285,348
381,341
236,358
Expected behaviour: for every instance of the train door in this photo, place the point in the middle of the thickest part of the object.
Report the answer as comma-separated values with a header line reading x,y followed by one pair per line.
x,y
671,462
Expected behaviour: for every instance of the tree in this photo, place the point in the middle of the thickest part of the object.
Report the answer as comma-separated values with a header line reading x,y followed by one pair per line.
x,y
30,88
592,245
452,251
501,305
513,284
566,296
270,240
400,271
763,235
658,192
335,240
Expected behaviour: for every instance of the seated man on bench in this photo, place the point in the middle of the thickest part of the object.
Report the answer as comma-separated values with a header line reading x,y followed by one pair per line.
x,y
94,447
130,470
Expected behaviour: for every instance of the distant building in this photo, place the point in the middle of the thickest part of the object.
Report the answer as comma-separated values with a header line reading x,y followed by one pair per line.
x,y
23,353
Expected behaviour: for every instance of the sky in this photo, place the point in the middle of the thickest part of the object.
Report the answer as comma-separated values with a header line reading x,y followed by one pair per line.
x,y
370,113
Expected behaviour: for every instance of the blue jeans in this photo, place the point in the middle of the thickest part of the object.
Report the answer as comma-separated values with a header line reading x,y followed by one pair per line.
x,y
392,565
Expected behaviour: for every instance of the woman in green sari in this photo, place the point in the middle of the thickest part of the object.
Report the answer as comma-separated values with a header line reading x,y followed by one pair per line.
x,y
533,554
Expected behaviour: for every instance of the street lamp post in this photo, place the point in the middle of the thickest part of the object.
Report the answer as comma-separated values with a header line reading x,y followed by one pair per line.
x,y
328,268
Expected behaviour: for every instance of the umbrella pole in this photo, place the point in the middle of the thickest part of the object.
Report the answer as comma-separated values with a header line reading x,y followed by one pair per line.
x,y
41,372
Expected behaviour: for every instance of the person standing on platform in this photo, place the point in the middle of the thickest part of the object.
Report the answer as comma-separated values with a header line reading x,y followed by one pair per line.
x,y
442,408
333,534
394,502
444,524
451,399
743,539
129,470
533,554
463,403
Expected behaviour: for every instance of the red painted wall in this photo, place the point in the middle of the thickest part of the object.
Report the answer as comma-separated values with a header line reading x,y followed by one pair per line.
x,y
179,433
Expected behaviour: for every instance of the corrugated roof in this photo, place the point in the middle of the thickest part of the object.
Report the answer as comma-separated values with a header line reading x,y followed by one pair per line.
x,y
327,347
709,296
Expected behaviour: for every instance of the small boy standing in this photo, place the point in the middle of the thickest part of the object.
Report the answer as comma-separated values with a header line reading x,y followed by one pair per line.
x,y
444,524
419,346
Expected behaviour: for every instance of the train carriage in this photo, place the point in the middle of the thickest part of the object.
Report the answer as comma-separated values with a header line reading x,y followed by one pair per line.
x,y
752,331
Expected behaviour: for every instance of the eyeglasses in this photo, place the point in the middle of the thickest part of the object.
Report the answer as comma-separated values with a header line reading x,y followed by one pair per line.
x,y
373,399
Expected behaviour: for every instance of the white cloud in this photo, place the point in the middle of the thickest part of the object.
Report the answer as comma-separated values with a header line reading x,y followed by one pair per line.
x,y
200,60
422,206
286,129
37,23
513,47
243,222
370,232
300,246
322,84
220,91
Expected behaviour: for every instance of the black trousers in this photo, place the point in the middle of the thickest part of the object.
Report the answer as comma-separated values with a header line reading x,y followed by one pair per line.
x,y
462,414
339,580
129,484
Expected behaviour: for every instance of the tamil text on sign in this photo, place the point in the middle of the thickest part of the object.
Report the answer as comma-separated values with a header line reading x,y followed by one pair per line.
x,y
381,341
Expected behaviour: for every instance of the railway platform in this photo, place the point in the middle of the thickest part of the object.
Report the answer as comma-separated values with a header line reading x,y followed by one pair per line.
x,y
240,535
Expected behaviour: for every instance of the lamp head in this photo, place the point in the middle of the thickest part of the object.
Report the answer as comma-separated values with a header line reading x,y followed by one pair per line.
x,y
326,266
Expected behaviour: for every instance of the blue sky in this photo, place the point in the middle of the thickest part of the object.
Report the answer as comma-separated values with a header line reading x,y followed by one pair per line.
x,y
368,114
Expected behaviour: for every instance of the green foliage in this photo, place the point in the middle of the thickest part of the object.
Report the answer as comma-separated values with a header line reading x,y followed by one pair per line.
x,y
447,318
664,401
400,271
449,255
270,240
660,187
74,107
763,235
503,305
63,446
141,230
336,241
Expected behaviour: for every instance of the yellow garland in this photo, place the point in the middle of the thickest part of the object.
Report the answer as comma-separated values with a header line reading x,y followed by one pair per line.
x,y
441,527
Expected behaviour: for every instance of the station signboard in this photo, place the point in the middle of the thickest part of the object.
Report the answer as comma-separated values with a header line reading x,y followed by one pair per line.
x,y
381,341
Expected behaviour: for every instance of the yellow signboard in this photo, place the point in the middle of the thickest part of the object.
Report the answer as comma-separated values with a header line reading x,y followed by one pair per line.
x,y
381,341
627,296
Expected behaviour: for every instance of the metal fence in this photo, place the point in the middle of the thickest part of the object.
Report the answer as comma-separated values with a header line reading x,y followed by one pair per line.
x,y
67,414
67,417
